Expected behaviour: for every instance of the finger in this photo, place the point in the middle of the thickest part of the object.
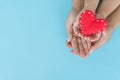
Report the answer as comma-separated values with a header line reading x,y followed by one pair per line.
x,y
88,44
68,44
76,28
75,45
81,49
106,8
85,46
94,37
72,51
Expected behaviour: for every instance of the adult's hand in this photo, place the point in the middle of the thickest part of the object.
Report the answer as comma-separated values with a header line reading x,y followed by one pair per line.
x,y
106,8
77,5
81,45
72,40
113,21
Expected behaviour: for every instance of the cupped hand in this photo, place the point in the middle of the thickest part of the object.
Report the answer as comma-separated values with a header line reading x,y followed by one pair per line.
x,y
113,21
73,41
69,23
77,43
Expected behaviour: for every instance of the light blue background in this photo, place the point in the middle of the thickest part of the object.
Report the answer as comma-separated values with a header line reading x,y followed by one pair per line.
x,y
32,45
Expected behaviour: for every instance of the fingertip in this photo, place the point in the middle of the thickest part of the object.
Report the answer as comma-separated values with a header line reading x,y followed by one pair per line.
x,y
83,57
68,45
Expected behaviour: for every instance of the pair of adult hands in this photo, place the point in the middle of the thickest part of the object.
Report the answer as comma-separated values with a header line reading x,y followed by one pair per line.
x,y
109,10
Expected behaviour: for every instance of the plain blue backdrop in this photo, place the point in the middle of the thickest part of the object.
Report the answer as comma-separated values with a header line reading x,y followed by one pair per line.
x,y
32,45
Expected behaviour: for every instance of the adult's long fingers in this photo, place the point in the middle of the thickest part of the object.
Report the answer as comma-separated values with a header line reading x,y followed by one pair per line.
x,y
89,44
81,48
107,7
85,46
75,45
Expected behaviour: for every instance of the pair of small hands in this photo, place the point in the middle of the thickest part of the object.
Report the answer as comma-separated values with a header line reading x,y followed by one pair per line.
x,y
83,47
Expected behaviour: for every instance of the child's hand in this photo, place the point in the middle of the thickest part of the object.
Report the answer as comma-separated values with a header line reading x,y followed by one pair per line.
x,y
69,23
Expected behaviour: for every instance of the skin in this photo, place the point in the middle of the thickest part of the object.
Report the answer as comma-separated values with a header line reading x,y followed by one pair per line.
x,y
82,46
113,21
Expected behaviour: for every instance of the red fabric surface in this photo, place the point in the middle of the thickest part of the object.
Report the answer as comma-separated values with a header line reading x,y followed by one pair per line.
x,y
89,24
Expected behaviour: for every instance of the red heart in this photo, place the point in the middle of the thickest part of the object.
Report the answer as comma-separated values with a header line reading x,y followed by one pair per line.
x,y
89,24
